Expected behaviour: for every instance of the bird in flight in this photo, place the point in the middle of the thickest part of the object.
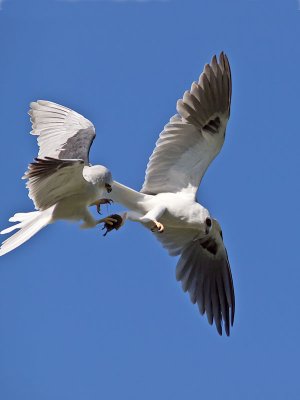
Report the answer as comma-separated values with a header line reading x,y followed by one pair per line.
x,y
61,182
167,203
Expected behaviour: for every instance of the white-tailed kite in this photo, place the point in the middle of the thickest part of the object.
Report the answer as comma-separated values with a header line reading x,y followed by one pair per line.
x,y
167,203
61,182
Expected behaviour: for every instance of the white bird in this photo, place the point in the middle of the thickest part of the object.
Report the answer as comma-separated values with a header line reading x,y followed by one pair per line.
x,y
167,202
61,182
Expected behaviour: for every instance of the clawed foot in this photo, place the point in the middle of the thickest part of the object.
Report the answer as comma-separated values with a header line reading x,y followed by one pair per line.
x,y
158,227
114,221
99,202
107,221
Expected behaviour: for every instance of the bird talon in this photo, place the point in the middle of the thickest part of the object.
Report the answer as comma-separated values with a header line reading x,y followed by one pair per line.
x,y
106,201
98,209
158,227
98,203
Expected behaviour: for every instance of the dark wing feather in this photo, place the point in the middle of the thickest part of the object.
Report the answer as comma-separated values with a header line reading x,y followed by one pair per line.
x,y
44,167
205,273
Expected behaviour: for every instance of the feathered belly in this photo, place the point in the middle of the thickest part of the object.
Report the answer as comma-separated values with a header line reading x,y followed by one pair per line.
x,y
177,219
74,207
180,211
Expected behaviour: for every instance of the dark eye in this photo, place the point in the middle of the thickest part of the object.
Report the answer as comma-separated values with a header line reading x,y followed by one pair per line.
x,y
208,222
108,187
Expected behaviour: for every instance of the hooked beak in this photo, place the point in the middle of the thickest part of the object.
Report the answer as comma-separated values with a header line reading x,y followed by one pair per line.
x,y
108,187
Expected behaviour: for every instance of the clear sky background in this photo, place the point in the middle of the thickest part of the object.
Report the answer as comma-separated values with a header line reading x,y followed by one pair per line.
x,y
87,317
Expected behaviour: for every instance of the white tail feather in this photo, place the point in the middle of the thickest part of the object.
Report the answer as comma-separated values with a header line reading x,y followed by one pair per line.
x,y
30,224
19,217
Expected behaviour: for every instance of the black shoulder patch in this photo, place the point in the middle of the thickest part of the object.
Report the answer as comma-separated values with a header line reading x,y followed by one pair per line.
x,y
210,245
213,125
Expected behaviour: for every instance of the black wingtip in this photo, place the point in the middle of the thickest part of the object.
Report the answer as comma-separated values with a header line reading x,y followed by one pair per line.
x,y
219,328
232,316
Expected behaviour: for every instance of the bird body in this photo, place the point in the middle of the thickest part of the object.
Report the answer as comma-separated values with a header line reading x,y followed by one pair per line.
x,y
173,209
76,207
61,182
167,202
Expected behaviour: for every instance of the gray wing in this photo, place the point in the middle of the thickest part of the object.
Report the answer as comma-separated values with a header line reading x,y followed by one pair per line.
x,y
204,271
193,137
62,133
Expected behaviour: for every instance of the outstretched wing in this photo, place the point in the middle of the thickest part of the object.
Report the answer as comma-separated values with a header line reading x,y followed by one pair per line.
x,y
62,133
192,138
204,271
64,139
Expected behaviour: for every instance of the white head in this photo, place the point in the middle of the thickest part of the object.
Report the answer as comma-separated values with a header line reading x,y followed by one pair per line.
x,y
98,175
206,220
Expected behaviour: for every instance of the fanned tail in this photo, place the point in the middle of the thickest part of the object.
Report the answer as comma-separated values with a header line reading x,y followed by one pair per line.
x,y
29,224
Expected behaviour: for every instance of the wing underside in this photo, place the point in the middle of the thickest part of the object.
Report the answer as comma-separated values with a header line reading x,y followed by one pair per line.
x,y
193,137
62,133
204,272
64,138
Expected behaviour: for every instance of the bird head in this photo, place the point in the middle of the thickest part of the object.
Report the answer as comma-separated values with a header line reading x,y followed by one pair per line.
x,y
100,176
107,180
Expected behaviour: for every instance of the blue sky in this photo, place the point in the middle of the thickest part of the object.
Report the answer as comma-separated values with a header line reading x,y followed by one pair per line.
x,y
86,317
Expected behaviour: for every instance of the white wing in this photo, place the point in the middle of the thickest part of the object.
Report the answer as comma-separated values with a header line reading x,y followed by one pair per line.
x,y
50,180
192,139
62,133
204,272
64,139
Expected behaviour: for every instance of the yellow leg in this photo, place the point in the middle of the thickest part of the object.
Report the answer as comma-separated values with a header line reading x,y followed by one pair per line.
x,y
157,227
